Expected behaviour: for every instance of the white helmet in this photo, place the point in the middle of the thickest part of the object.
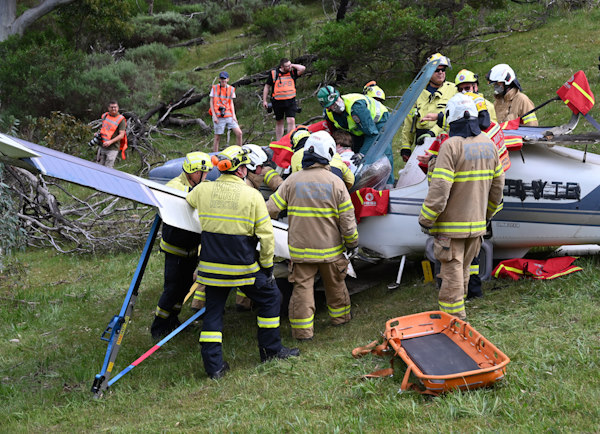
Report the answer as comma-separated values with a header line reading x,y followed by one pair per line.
x,y
257,156
322,144
458,106
501,73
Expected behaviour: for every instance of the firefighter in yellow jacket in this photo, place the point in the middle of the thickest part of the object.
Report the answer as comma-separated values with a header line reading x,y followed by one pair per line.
x,y
181,251
433,99
509,100
321,226
465,192
234,219
338,167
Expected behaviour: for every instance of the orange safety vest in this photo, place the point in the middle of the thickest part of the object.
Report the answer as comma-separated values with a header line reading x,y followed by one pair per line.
x,y
284,86
109,127
222,97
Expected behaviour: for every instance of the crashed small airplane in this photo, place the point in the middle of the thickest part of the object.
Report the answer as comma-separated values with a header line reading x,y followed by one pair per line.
x,y
552,198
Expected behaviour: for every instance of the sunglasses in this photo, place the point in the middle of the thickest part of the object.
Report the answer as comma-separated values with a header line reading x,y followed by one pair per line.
x,y
467,88
441,70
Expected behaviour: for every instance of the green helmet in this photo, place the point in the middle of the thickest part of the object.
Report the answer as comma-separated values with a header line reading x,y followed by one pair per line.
x,y
327,96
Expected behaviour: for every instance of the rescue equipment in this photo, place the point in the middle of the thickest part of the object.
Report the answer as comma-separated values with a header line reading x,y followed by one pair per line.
x,y
536,268
370,202
469,360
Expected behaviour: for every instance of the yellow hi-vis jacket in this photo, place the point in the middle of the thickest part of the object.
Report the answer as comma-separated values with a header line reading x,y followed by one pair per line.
x,y
320,214
234,219
338,167
466,188
426,103
176,241
376,110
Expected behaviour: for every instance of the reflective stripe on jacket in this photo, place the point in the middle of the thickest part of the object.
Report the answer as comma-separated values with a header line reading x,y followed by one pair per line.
x,y
426,103
234,219
178,241
284,86
337,164
320,214
513,105
376,110
466,188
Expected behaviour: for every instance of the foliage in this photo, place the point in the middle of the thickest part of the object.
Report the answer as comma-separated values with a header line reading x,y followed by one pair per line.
x,y
265,58
165,28
158,55
218,15
175,85
277,21
64,133
100,24
402,33
37,74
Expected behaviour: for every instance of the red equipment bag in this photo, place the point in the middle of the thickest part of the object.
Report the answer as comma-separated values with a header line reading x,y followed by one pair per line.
x,y
576,94
536,268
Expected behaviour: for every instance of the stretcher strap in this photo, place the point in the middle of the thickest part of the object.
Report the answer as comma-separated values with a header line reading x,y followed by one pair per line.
x,y
372,347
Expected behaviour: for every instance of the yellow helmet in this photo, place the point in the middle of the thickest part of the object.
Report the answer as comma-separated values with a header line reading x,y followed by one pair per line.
x,y
195,161
444,61
371,89
466,76
230,158
301,132
478,100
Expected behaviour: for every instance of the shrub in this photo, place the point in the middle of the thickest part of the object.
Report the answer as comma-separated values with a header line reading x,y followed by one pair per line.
x,y
266,58
156,54
175,85
277,21
165,28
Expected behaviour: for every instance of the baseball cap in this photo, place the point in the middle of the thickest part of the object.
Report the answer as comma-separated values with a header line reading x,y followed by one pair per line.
x,y
224,74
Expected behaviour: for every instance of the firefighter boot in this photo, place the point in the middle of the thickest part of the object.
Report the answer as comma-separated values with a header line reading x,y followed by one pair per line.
x,y
161,327
220,373
283,353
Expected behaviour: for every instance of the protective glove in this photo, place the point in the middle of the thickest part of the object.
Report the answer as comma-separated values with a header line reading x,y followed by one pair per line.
x,y
405,154
488,230
357,159
270,164
424,229
351,252
423,136
267,271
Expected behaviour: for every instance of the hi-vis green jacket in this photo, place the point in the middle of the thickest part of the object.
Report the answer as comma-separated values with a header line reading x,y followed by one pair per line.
x,y
233,218
466,188
320,214
176,241
427,102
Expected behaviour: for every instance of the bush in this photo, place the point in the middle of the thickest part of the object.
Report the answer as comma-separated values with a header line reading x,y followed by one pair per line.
x,y
156,54
266,58
175,85
277,21
165,28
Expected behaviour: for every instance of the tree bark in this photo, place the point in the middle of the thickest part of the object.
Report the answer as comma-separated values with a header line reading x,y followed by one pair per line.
x,y
341,13
10,24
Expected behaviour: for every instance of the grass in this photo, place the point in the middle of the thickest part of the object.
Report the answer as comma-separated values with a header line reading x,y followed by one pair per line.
x,y
58,306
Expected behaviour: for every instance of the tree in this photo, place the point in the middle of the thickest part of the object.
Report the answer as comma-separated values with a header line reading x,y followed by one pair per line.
x,y
10,24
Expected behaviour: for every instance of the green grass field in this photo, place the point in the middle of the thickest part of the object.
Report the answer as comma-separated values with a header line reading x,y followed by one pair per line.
x,y
54,307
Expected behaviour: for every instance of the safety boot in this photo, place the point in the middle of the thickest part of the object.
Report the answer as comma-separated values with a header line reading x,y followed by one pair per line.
x,y
283,353
161,327
220,373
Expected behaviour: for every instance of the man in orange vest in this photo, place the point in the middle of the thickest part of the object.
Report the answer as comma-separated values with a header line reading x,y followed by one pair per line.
x,y
283,98
113,136
223,110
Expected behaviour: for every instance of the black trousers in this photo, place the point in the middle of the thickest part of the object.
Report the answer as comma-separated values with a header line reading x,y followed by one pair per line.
x,y
179,277
266,298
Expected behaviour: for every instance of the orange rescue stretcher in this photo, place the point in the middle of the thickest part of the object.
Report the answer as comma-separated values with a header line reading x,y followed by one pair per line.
x,y
442,351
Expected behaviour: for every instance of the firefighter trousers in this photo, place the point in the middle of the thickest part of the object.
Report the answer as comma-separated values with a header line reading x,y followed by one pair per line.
x,y
265,296
302,301
179,277
455,256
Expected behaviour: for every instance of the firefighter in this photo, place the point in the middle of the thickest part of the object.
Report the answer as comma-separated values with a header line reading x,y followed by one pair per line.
x,y
371,89
181,251
361,116
234,220
465,192
321,222
468,81
259,169
338,167
509,100
433,99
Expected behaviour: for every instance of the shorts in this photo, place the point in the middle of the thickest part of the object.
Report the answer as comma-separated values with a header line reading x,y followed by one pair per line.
x,y
225,122
285,107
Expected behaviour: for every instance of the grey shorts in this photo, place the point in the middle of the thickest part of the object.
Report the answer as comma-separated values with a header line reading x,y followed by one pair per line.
x,y
224,122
